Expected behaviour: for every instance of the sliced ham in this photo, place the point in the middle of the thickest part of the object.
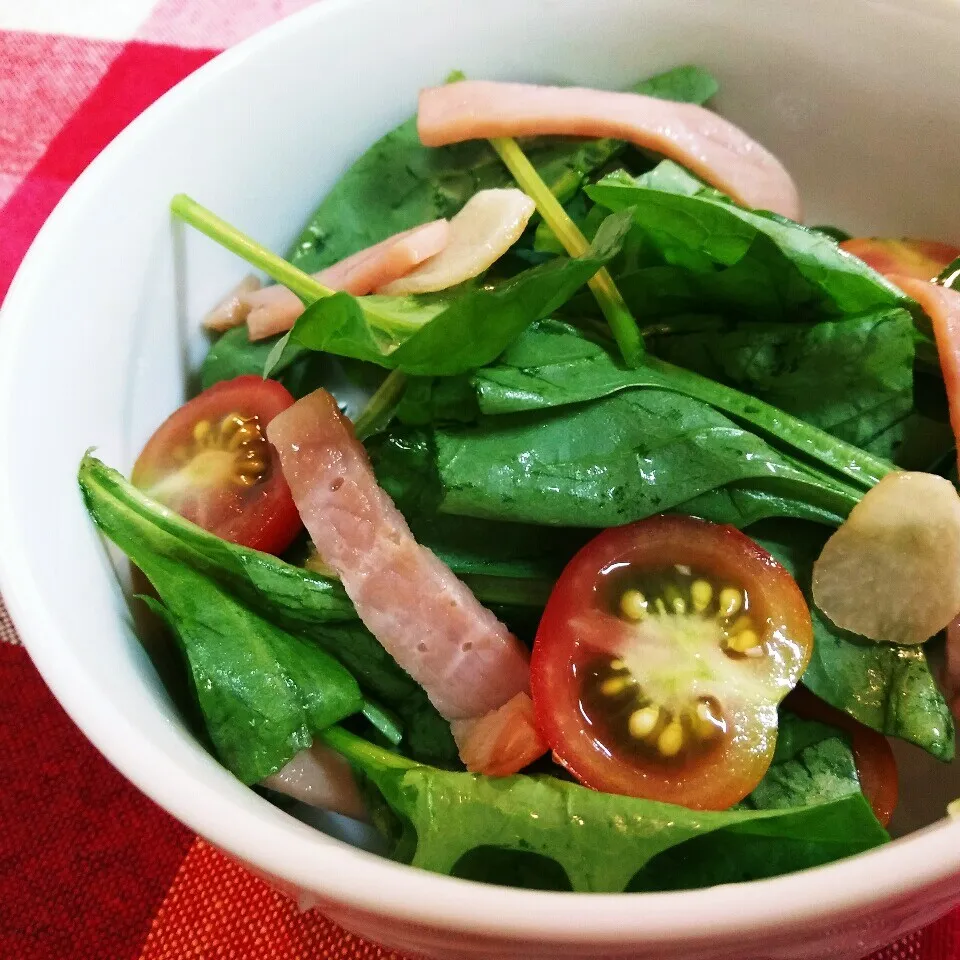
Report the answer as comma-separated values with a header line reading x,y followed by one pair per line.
x,y
489,224
232,310
468,663
275,309
921,259
321,778
713,148
503,741
942,306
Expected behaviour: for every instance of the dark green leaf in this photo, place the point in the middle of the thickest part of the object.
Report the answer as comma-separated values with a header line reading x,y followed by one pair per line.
x,y
451,333
852,377
600,841
889,688
765,268
686,84
612,461
263,692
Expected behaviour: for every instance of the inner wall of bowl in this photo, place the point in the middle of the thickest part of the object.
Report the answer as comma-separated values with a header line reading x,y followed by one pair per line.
x,y
825,85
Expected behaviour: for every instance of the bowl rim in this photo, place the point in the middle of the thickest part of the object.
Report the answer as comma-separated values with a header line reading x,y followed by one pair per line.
x,y
364,881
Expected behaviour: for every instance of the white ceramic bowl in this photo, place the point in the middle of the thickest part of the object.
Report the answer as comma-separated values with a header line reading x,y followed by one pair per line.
x,y
100,332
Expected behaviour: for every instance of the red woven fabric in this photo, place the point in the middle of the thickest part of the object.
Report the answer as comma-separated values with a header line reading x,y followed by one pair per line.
x,y
89,868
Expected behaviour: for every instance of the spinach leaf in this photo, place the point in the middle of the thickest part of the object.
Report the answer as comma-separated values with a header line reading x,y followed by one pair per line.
x,y
739,261
399,183
450,333
612,461
294,599
263,692
599,840
852,377
553,365
814,768
685,84
886,687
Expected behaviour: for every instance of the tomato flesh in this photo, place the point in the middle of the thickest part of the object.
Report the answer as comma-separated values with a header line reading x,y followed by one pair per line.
x,y
876,766
210,461
920,259
660,659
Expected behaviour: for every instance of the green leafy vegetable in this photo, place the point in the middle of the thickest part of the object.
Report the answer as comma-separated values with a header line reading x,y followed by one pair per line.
x,y
738,260
852,377
553,365
263,692
599,840
813,766
886,687
294,599
450,333
612,461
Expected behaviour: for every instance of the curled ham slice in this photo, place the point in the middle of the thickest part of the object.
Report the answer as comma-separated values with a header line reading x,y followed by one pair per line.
x,y
489,224
274,309
468,663
713,148
232,310
321,778
942,306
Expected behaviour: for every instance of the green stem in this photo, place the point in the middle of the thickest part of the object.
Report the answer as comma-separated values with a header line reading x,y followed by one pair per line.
x,y
621,320
207,222
383,721
359,751
381,406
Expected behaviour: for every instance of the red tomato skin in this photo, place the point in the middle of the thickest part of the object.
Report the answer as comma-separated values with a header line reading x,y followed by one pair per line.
x,y
920,259
876,765
732,773
264,517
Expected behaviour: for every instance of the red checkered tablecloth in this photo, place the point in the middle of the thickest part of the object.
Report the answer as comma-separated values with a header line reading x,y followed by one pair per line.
x,y
89,868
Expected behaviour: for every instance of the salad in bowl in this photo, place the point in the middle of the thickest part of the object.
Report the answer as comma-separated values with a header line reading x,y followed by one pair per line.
x,y
566,508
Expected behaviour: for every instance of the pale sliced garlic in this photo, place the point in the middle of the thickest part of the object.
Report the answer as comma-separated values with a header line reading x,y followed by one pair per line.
x,y
489,224
892,571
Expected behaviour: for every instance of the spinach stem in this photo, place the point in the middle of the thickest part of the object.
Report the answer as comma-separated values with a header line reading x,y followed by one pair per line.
x,y
381,406
359,751
208,223
611,302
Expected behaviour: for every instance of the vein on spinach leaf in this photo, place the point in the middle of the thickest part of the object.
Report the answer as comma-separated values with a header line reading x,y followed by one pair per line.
x,y
599,840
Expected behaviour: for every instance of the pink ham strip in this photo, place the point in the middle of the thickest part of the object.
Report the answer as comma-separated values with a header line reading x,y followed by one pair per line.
x,y
942,306
715,149
431,624
503,741
321,778
275,309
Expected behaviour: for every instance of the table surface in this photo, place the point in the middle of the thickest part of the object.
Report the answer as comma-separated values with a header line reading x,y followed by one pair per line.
x,y
92,869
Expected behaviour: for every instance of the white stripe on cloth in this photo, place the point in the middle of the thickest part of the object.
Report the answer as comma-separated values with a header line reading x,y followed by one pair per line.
x,y
96,19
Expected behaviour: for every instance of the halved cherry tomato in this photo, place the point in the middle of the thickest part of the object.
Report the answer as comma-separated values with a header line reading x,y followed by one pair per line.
x,y
211,462
876,765
662,654
920,259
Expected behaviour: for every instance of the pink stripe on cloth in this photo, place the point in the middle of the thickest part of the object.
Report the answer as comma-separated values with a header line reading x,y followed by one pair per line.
x,y
43,79
213,23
